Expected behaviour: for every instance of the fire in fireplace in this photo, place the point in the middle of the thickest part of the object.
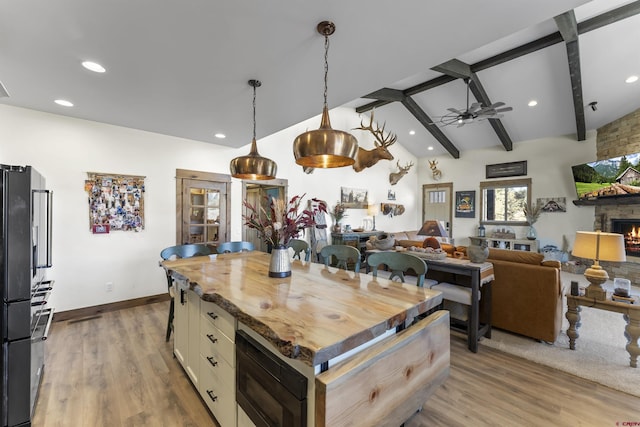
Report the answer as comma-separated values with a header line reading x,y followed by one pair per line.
x,y
630,229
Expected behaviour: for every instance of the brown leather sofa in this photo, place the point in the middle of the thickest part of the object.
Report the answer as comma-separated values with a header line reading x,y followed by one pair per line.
x,y
526,292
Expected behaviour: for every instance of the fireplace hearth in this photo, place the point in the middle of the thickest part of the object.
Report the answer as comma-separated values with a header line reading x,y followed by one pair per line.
x,y
630,229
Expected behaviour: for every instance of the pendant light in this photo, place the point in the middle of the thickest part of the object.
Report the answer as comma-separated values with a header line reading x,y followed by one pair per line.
x,y
325,147
253,166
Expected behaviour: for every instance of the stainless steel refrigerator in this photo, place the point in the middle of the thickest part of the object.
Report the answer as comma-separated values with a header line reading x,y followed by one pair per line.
x,y
25,256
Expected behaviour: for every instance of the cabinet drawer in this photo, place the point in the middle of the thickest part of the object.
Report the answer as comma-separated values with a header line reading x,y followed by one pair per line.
x,y
219,318
214,343
219,371
219,395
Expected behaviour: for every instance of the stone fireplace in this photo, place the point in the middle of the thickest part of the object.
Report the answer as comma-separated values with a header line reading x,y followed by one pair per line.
x,y
616,139
630,229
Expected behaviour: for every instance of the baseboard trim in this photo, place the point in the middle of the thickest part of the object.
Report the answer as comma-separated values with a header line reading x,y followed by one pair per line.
x,y
60,316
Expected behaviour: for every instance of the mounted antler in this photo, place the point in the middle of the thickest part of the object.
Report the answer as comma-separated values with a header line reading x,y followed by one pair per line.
x,y
368,158
394,177
435,172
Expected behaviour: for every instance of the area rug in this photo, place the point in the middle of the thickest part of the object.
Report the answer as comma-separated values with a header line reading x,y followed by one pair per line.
x,y
600,353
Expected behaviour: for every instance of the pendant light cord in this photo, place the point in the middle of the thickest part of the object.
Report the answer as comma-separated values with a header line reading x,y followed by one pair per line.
x,y
326,67
254,112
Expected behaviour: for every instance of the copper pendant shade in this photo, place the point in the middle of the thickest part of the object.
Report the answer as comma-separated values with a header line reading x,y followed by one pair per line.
x,y
253,166
325,147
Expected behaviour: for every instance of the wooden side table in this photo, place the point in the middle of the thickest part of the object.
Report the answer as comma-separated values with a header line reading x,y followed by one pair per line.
x,y
630,312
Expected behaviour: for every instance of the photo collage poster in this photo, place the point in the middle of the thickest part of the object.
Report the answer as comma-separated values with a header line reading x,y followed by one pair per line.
x,y
116,202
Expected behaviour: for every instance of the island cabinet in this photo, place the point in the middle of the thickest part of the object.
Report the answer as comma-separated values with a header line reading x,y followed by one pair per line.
x,y
346,348
186,326
218,362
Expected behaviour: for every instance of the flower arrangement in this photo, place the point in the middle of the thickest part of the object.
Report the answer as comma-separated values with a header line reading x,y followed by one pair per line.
x,y
281,222
339,211
532,213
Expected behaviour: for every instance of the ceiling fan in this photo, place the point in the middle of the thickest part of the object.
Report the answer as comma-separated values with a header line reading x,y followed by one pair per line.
x,y
474,112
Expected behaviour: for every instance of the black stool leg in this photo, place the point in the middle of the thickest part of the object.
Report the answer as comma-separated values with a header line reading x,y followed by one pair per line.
x,y
170,321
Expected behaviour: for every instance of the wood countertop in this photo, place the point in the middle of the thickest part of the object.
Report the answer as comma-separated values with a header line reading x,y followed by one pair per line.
x,y
313,316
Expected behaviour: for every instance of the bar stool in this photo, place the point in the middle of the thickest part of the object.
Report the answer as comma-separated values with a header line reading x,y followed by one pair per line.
x,y
457,299
400,263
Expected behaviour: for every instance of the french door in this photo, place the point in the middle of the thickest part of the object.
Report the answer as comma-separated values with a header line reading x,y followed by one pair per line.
x,y
202,212
437,203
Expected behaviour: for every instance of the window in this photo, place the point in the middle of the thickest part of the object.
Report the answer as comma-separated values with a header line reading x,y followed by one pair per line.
x,y
503,202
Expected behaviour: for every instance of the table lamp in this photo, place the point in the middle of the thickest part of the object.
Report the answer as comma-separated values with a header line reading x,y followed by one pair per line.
x,y
598,246
373,211
433,227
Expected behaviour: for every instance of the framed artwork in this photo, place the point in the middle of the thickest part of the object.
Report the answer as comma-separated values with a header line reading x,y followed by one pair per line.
x,y
354,198
466,204
391,195
501,170
116,202
553,204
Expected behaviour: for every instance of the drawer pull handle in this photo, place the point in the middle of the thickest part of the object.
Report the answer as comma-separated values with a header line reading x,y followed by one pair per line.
x,y
212,338
212,315
211,395
212,361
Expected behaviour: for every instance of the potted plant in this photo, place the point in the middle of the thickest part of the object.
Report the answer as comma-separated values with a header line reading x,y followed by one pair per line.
x,y
338,212
532,213
278,224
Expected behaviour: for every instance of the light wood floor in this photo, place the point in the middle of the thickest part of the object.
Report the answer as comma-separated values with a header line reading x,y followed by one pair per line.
x,y
117,370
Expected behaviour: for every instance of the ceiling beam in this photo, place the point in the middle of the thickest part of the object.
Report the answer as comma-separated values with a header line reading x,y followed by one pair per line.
x,y
481,95
591,24
395,95
569,29
461,70
413,90
610,17
430,126
454,68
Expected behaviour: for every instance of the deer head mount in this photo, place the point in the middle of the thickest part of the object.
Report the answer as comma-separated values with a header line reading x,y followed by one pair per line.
x,y
435,172
394,177
368,158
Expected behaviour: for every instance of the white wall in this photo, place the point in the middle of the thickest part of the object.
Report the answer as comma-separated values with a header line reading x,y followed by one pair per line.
x,y
65,149
549,164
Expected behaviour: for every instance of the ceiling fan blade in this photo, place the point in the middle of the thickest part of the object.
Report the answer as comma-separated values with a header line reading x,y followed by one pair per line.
x,y
474,107
502,110
497,104
453,110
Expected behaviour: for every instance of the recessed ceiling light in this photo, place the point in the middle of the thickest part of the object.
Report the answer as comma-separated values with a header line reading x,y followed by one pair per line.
x,y
631,79
220,135
93,66
63,102
412,132
532,103
430,148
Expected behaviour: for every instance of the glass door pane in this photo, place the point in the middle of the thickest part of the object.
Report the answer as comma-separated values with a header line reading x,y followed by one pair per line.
x,y
204,211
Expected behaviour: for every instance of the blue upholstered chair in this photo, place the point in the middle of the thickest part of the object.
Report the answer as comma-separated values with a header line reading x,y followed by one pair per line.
x,y
174,252
227,247
299,247
343,254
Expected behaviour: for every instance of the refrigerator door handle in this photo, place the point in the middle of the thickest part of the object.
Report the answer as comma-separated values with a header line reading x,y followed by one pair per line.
x,y
49,231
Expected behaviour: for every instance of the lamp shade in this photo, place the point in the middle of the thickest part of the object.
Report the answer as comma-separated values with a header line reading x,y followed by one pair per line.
x,y
599,246
325,147
373,210
253,166
433,227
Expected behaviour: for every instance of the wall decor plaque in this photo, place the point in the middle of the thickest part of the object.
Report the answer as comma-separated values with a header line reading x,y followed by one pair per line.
x,y
501,170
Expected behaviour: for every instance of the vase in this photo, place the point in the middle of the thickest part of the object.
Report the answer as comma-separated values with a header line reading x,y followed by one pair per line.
x,y
478,251
280,265
336,228
532,234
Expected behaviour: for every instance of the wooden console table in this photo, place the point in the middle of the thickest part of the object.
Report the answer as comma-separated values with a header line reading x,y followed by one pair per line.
x,y
479,275
630,312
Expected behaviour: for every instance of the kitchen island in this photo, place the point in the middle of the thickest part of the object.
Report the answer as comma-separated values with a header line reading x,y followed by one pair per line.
x,y
356,340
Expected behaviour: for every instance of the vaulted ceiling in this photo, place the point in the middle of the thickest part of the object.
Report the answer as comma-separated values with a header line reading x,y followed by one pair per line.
x,y
181,68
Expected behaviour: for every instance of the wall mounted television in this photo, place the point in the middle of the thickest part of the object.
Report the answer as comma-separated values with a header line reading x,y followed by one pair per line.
x,y
618,176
